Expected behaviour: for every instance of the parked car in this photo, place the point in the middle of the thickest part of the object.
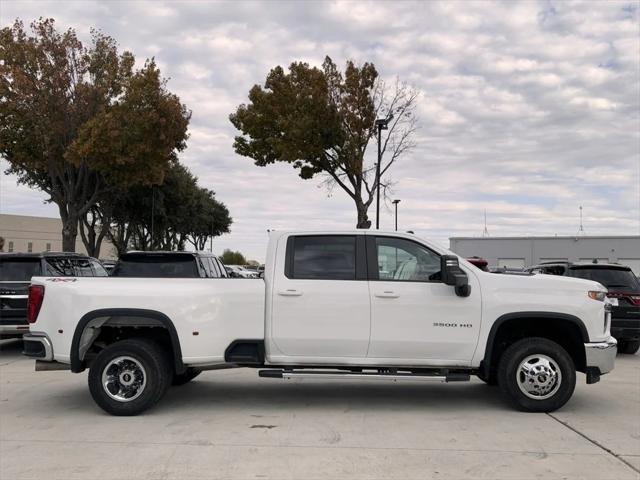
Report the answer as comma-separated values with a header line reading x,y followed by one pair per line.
x,y
623,292
324,311
108,264
479,262
160,264
256,270
16,270
238,271
510,271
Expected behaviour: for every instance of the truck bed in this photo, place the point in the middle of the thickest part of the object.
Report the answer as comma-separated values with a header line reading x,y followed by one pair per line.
x,y
208,314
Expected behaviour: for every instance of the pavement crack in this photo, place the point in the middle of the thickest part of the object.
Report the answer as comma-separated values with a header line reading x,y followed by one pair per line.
x,y
594,442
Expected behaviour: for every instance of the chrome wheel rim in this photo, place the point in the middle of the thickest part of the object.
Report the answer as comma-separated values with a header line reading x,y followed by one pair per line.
x,y
124,379
538,377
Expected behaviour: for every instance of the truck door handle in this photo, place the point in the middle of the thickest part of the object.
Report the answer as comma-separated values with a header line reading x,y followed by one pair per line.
x,y
290,292
387,294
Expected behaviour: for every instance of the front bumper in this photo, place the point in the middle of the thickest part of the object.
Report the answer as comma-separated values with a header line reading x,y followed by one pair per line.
x,y
37,346
601,355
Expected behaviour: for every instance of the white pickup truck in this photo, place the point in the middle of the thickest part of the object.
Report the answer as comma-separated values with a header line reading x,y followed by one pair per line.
x,y
332,305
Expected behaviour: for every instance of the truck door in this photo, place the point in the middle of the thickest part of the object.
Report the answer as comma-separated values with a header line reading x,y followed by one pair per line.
x,y
414,315
320,300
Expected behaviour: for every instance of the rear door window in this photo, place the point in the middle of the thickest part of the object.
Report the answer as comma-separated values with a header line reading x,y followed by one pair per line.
x,y
215,270
205,266
98,269
322,257
19,270
60,267
82,267
223,270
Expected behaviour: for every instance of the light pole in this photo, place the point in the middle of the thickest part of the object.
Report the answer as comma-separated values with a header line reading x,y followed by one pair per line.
x,y
396,202
382,124
212,225
153,211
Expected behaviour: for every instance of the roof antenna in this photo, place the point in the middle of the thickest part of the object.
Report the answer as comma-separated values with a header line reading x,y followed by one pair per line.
x,y
581,230
485,232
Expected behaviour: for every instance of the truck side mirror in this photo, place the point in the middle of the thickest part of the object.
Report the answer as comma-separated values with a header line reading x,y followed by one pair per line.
x,y
453,275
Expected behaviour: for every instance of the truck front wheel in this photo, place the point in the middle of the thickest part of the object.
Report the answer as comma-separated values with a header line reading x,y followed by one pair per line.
x,y
129,376
537,375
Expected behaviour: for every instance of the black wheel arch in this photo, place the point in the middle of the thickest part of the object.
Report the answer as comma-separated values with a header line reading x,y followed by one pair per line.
x,y
489,363
78,365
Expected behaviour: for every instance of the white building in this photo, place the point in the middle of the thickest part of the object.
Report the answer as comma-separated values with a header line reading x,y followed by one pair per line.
x,y
28,234
527,251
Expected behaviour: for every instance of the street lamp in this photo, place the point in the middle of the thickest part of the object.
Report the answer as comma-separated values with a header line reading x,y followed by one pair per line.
x,y
211,244
396,202
153,211
382,124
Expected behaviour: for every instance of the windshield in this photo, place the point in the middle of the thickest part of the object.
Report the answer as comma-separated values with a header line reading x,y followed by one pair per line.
x,y
615,279
156,266
19,270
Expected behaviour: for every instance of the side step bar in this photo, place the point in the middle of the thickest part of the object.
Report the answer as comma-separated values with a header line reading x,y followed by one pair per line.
x,y
336,375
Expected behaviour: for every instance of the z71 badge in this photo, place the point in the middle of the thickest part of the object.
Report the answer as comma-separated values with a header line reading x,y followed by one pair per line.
x,y
57,279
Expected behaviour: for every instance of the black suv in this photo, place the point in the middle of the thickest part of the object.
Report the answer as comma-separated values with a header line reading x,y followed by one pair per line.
x,y
624,294
158,264
16,270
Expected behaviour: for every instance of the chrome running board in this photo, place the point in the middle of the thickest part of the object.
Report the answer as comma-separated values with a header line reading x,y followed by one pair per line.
x,y
337,375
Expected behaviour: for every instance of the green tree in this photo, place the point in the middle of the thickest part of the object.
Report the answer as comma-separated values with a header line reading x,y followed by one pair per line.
x,y
209,218
79,123
322,120
230,257
182,211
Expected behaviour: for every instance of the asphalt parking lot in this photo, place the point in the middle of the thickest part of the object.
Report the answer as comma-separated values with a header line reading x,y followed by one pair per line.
x,y
231,424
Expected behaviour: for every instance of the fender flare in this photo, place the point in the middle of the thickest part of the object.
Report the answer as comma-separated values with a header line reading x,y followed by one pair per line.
x,y
486,362
77,364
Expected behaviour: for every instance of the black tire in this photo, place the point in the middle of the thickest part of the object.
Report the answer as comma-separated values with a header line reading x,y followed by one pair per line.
x,y
628,347
155,376
186,377
510,376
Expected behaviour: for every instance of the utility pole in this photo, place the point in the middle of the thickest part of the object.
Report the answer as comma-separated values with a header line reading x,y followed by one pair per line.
x,y
581,229
382,124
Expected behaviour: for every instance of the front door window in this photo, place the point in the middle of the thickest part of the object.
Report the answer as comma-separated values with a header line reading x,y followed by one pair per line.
x,y
406,261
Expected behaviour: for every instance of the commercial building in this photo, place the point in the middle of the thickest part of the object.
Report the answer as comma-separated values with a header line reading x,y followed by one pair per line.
x,y
28,234
526,251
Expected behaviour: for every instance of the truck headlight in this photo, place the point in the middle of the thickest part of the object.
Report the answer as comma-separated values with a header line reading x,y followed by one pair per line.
x,y
597,295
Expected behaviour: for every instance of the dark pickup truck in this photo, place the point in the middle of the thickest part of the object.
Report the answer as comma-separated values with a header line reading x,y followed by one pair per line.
x,y
164,264
16,270
624,295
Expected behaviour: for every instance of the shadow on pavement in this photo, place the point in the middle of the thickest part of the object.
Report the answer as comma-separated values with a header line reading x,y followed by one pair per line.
x,y
267,394
11,346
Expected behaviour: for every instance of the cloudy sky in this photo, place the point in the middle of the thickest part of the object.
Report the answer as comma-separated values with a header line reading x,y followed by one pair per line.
x,y
527,110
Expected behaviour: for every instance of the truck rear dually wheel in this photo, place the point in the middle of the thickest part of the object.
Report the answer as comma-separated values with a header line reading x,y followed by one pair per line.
x,y
129,376
537,375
